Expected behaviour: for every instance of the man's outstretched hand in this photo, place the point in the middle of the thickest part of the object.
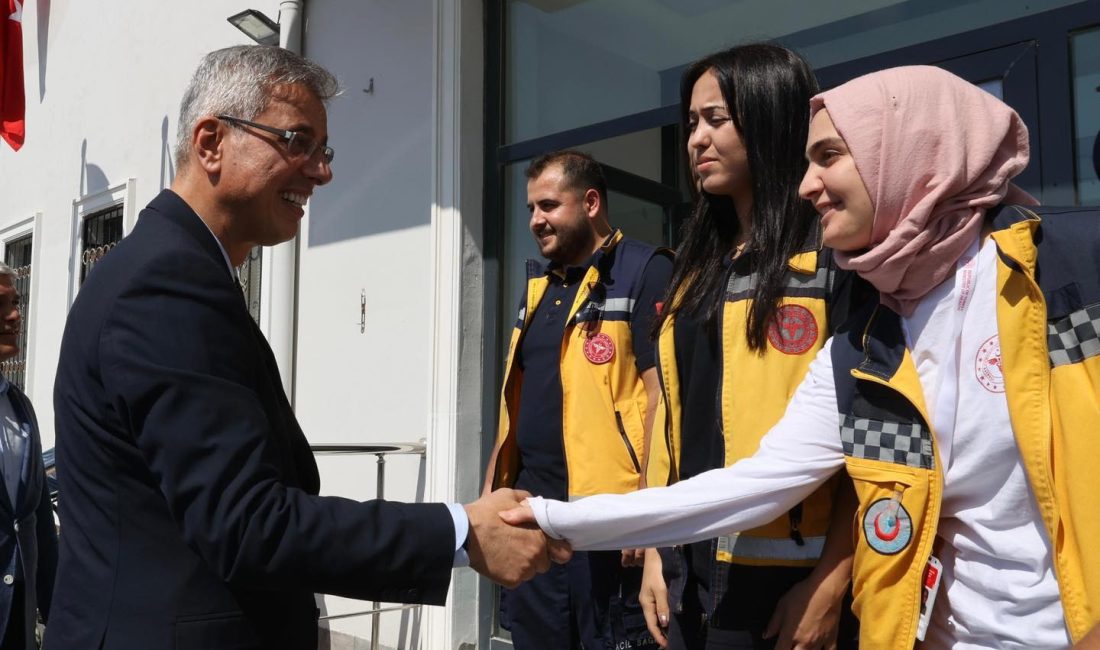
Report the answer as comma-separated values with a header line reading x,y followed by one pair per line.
x,y
508,554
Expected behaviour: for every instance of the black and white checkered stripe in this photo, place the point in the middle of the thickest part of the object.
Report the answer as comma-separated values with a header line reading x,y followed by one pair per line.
x,y
892,442
1074,338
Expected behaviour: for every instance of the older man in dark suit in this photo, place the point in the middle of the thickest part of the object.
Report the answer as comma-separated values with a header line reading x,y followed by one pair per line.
x,y
28,538
190,505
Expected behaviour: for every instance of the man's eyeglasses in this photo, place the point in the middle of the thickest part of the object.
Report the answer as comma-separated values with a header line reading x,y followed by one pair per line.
x,y
298,144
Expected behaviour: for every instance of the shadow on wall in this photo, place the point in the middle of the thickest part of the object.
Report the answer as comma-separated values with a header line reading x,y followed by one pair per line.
x,y
381,183
43,45
92,178
167,168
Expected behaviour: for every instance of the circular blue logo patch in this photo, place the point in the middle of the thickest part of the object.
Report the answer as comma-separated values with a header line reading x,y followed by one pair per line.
x,y
887,526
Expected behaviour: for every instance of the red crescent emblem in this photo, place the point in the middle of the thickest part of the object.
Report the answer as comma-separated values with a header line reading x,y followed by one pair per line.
x,y
794,329
599,348
887,535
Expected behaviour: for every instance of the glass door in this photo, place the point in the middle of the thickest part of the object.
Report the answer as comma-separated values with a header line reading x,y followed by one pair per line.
x,y
1085,75
1047,67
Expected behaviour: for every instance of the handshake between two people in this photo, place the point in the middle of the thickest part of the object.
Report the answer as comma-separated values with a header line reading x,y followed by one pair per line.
x,y
504,543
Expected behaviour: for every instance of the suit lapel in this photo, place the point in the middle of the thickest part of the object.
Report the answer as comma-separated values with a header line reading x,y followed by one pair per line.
x,y
7,508
28,474
285,432
299,453
176,210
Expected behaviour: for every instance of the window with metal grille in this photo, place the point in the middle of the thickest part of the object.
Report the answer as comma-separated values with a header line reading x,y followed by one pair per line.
x,y
248,274
17,255
102,230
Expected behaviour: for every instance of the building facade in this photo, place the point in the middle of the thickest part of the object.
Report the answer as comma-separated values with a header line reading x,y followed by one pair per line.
x,y
389,313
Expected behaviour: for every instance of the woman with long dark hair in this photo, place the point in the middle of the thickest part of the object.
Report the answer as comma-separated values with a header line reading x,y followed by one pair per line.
x,y
753,297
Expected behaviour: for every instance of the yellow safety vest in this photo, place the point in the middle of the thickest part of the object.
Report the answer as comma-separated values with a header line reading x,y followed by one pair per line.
x,y
755,389
603,403
1048,324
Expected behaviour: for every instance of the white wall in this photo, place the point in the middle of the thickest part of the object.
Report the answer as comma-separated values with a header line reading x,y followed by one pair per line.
x,y
399,224
369,231
103,84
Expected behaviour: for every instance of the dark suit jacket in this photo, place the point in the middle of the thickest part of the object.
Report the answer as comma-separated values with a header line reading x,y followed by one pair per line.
x,y
188,492
27,532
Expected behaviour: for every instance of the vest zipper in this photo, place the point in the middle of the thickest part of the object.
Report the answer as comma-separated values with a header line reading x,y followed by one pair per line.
x,y
626,441
795,518
719,412
673,472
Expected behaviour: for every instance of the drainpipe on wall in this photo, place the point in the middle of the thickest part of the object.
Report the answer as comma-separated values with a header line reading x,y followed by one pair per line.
x,y
290,25
283,279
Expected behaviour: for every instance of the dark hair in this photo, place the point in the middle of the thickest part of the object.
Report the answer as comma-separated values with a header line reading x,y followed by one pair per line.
x,y
580,171
767,89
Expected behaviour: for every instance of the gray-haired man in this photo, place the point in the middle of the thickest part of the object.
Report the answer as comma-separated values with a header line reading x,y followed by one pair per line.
x,y
28,538
191,512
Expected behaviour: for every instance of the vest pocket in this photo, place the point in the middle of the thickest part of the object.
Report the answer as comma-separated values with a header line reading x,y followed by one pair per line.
x,y
885,533
626,441
871,472
883,523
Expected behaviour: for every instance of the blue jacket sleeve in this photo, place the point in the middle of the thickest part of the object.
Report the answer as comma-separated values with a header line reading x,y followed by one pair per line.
x,y
47,552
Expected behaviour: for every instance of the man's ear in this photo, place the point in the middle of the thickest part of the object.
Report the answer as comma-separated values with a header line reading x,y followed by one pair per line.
x,y
592,202
207,139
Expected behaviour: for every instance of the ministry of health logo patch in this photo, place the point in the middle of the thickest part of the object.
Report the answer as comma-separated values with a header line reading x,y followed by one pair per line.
x,y
599,348
794,329
987,365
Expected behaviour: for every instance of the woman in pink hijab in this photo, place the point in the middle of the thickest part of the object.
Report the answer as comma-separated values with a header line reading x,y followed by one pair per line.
x,y
963,405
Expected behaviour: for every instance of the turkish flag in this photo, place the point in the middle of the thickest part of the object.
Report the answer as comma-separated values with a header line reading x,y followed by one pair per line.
x,y
12,101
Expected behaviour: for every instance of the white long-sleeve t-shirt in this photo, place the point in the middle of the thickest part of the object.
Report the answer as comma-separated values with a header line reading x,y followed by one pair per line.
x,y
999,589
795,457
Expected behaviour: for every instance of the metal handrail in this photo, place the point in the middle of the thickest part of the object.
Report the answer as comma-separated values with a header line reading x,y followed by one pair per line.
x,y
373,612
380,450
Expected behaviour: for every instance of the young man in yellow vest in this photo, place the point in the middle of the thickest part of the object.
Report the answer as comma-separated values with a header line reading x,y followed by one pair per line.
x,y
579,394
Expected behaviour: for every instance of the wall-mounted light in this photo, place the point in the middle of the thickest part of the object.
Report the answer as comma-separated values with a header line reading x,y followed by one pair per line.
x,y
256,26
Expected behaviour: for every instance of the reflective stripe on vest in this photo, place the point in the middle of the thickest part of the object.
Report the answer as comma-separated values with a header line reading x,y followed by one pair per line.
x,y
610,309
741,287
768,548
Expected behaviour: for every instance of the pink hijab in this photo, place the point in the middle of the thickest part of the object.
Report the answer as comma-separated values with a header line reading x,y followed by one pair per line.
x,y
934,152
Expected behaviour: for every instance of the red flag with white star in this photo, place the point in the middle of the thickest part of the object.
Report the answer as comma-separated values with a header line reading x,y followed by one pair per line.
x,y
12,100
